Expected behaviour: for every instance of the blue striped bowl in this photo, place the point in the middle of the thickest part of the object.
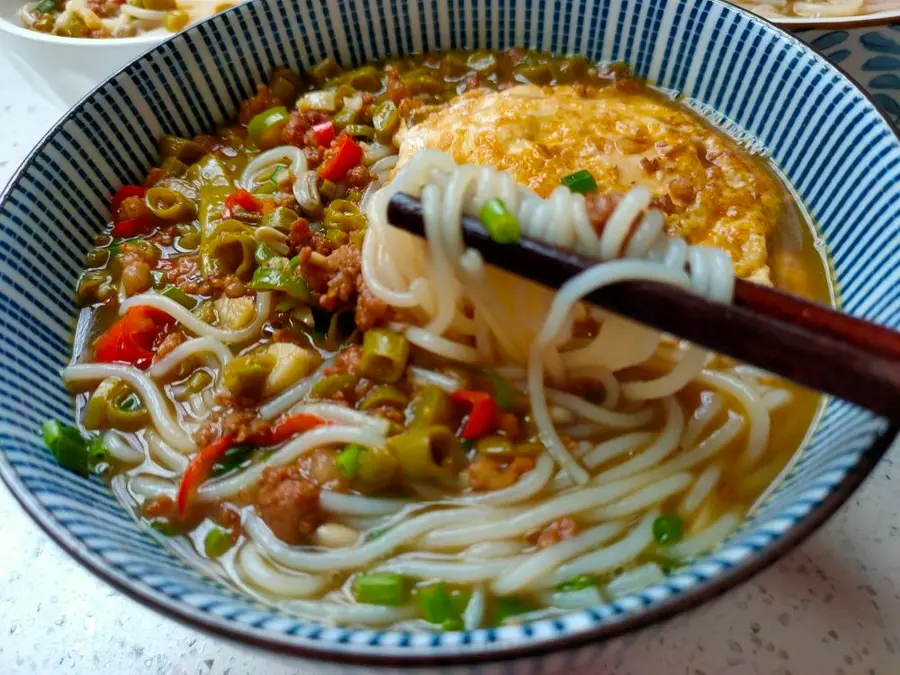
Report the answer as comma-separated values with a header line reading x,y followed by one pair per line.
x,y
820,130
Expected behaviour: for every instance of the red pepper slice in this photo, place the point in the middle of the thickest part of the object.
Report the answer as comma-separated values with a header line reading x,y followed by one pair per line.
x,y
124,193
482,418
201,464
198,469
132,337
291,426
243,199
132,227
324,133
348,154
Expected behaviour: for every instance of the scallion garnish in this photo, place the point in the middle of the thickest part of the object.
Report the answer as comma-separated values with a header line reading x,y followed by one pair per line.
x,y
668,529
381,589
581,181
347,460
499,222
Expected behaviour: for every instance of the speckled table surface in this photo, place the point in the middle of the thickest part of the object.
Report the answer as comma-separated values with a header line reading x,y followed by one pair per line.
x,y
832,607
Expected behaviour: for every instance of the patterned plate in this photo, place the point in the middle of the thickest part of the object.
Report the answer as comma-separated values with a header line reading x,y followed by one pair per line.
x,y
821,131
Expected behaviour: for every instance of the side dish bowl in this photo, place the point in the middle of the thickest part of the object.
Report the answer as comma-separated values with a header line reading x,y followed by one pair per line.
x,y
830,142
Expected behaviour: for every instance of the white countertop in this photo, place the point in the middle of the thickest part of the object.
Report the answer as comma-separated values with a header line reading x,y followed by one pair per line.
x,y
830,608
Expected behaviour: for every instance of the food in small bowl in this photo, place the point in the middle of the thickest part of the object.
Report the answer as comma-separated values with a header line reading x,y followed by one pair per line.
x,y
49,42
387,448
813,13
114,18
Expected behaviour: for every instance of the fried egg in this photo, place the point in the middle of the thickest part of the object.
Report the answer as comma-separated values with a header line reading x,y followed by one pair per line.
x,y
712,191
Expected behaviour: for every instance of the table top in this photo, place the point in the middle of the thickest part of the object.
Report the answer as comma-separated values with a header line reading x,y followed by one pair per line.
x,y
832,607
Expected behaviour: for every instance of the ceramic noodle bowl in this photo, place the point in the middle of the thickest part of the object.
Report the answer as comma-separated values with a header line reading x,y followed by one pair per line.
x,y
756,83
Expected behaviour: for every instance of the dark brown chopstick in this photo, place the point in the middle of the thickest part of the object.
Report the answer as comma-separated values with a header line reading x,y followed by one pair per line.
x,y
808,343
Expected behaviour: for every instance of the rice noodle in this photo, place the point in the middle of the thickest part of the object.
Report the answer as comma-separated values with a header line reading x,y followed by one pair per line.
x,y
612,556
163,419
706,539
535,566
269,159
194,324
232,485
187,350
260,573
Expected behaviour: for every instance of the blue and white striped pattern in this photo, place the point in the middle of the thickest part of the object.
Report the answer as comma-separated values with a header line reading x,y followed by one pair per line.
x,y
824,135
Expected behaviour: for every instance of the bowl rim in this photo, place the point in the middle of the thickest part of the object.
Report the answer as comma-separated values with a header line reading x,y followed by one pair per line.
x,y
258,638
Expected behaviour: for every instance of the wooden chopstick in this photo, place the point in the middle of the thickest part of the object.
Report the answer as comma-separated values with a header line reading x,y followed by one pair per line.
x,y
806,342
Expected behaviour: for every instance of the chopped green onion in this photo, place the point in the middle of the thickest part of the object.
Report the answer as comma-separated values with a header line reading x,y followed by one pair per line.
x,y
217,542
271,279
233,459
157,277
499,222
163,527
381,589
293,262
578,583
71,449
180,297
347,460
45,6
581,181
434,601
668,529
507,608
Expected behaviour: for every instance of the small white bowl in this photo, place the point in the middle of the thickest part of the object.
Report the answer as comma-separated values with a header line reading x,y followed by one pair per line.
x,y
65,69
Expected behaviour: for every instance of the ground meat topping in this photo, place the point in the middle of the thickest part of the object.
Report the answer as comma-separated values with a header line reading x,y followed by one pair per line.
x,y
488,473
289,504
240,423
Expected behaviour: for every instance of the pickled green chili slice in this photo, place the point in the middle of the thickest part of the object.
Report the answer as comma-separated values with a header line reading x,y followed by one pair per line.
x,y
384,355
180,148
381,589
427,452
332,385
384,395
217,542
279,218
265,128
376,470
347,461
581,181
272,279
245,376
172,166
499,222
168,204
386,120
113,405
360,131
431,405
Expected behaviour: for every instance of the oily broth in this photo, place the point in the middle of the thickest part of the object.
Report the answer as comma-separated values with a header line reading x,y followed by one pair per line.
x,y
797,265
